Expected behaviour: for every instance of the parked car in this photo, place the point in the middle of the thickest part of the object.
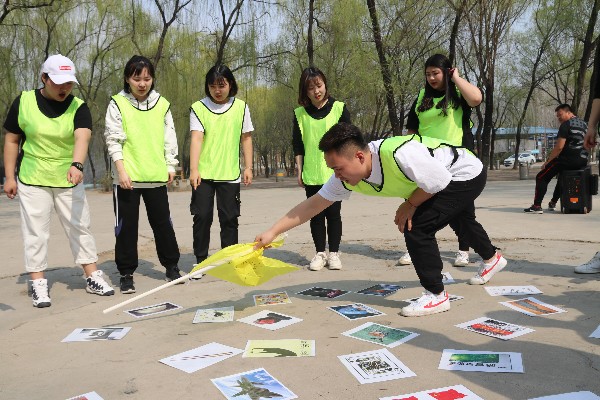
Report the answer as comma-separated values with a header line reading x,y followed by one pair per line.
x,y
527,158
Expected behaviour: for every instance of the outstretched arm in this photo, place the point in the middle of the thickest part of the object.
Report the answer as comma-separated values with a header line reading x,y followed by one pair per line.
x,y
296,216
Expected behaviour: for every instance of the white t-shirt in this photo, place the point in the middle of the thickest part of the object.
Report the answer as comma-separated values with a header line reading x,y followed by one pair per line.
x,y
196,125
432,174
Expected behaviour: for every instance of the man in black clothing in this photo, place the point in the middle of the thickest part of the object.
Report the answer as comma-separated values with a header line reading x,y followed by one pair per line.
x,y
568,154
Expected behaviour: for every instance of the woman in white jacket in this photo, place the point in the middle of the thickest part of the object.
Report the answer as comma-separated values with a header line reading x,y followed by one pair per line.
x,y
141,141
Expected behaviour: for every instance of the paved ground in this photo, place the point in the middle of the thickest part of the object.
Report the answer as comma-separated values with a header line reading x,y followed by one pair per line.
x,y
558,357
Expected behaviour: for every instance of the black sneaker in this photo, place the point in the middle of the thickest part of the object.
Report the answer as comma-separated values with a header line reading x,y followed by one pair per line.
x,y
126,284
172,274
534,210
551,206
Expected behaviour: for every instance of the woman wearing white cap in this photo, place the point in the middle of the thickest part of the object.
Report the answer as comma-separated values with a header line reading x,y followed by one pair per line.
x,y
54,129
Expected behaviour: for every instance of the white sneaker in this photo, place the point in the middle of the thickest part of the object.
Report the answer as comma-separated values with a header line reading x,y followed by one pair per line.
x,y
486,271
39,293
405,259
318,261
462,259
427,304
333,261
590,267
97,285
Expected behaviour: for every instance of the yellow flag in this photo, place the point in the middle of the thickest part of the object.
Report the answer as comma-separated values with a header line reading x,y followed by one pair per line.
x,y
243,265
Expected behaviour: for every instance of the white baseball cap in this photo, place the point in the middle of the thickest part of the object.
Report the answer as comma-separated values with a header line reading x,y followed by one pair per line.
x,y
60,69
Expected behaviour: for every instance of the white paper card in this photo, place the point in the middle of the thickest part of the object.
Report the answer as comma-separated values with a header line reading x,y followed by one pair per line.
x,y
570,396
596,333
448,392
200,357
87,396
91,334
375,366
512,290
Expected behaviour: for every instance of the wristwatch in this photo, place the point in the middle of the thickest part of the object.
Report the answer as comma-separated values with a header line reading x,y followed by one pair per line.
x,y
77,165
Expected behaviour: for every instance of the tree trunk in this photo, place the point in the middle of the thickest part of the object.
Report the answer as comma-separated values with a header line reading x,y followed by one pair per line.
x,y
309,37
588,47
385,70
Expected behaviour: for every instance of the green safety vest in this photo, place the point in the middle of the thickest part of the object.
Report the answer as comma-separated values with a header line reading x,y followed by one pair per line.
x,y
220,154
144,149
432,122
394,183
314,169
49,143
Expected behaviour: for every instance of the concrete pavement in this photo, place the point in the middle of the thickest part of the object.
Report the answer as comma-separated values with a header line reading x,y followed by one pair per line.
x,y
542,250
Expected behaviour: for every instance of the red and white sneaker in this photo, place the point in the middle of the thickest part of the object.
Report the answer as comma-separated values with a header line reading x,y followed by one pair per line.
x,y
486,271
427,304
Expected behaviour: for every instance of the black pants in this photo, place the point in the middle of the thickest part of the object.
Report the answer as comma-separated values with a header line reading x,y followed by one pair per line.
x,y
202,208
320,233
126,204
550,170
453,204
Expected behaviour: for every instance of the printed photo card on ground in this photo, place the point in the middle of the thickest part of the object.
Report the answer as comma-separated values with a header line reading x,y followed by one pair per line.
x,y
87,396
381,289
90,334
280,348
483,361
152,310
220,314
323,292
255,384
511,290
356,311
269,299
533,307
596,333
375,366
494,328
270,320
200,357
380,334
455,392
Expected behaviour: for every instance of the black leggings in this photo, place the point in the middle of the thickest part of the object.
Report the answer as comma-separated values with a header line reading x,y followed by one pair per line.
x,y
550,170
333,232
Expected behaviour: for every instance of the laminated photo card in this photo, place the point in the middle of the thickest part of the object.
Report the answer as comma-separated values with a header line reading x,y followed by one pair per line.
x,y
375,366
484,361
271,299
381,289
220,314
571,396
455,392
356,311
87,396
323,292
152,310
511,290
280,348
253,385
494,328
533,307
380,334
89,334
270,320
200,357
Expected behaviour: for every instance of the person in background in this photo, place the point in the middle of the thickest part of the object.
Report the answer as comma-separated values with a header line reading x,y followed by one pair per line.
x,y
442,110
218,124
53,129
317,113
141,141
568,154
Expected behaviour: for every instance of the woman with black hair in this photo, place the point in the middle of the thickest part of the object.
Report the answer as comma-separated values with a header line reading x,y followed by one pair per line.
x,y
141,140
442,110
219,124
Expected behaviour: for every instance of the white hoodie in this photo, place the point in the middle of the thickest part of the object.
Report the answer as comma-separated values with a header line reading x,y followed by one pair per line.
x,y
115,136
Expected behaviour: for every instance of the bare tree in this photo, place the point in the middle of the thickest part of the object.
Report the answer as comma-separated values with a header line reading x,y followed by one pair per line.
x,y
9,6
588,48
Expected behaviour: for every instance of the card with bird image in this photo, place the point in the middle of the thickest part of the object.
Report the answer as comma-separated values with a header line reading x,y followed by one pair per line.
x,y
356,311
201,357
380,334
220,314
253,385
381,289
269,299
270,320
280,348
